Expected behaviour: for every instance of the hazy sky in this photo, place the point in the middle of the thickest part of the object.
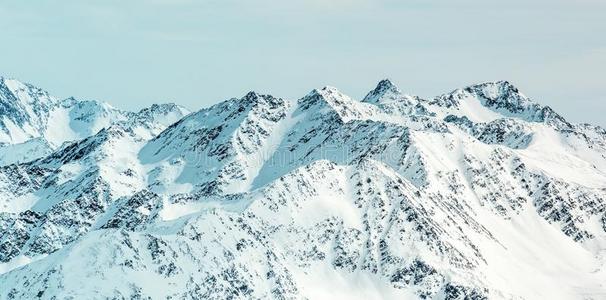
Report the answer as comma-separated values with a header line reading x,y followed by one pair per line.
x,y
196,53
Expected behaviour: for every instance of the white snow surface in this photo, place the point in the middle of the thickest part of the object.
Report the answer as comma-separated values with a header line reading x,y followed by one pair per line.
x,y
480,193
32,123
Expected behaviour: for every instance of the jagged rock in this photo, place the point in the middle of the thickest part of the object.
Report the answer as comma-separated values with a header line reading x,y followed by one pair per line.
x,y
480,193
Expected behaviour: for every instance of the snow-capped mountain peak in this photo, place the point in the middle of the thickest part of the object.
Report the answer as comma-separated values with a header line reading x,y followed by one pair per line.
x,y
33,123
476,194
489,101
385,91
498,94
23,110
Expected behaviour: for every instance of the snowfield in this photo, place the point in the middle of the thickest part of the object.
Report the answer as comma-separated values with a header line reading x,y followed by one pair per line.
x,y
480,193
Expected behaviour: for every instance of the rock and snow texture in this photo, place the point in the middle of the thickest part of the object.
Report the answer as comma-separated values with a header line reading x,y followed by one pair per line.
x,y
480,193
33,124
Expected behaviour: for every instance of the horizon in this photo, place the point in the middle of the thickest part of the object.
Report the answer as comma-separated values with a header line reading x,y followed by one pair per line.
x,y
196,54
356,98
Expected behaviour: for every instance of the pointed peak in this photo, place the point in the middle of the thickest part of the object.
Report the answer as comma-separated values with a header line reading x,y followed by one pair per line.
x,y
385,91
251,95
328,97
237,105
248,99
328,93
14,90
386,84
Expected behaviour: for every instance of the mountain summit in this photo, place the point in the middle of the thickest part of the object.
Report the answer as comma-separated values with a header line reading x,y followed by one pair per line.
x,y
24,109
385,91
33,124
480,193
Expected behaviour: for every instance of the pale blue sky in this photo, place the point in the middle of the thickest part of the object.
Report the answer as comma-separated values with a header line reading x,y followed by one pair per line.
x,y
196,53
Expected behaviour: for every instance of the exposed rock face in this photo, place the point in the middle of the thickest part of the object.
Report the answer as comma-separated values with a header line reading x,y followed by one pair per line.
x,y
476,194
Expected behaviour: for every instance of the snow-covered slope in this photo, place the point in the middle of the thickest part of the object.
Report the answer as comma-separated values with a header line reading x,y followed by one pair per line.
x,y
33,124
479,193
24,110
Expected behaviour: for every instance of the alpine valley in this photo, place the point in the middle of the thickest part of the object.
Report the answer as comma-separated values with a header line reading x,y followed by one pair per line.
x,y
480,193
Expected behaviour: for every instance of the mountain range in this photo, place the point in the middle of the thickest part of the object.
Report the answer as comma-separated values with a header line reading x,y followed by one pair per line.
x,y
479,193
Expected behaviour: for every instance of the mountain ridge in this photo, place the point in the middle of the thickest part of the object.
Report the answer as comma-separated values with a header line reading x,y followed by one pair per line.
x,y
40,123
468,195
